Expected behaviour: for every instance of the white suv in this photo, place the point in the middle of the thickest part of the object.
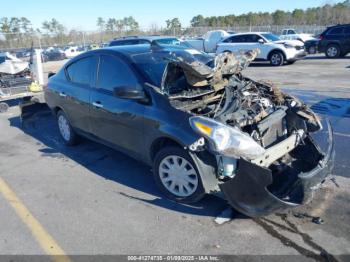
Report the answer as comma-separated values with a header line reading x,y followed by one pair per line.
x,y
271,47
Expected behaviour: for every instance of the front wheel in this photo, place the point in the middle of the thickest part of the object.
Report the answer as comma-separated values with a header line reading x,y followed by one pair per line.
x,y
177,176
276,58
312,49
66,131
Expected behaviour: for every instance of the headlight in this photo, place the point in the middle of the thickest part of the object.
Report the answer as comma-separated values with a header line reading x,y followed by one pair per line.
x,y
229,141
288,46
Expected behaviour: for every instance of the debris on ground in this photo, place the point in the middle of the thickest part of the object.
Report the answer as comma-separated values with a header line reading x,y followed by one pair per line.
x,y
225,216
316,220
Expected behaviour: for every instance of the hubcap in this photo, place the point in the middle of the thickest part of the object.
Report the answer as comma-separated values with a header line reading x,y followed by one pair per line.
x,y
178,176
276,59
332,51
64,128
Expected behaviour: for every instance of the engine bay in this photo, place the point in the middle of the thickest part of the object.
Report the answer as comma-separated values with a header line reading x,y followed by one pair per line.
x,y
222,93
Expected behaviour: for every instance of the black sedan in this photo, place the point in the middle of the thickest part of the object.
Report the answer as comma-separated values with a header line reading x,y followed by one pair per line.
x,y
53,55
198,122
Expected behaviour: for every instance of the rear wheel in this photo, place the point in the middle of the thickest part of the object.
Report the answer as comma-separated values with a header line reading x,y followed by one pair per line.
x,y
333,51
276,58
67,133
177,175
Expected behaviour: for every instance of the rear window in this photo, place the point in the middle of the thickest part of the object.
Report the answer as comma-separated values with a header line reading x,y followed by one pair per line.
x,y
173,41
335,31
235,39
128,42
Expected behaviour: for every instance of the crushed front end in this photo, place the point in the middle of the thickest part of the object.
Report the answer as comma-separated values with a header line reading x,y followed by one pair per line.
x,y
272,151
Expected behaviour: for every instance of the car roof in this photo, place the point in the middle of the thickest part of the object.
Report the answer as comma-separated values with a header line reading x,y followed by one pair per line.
x,y
340,25
251,33
130,50
150,38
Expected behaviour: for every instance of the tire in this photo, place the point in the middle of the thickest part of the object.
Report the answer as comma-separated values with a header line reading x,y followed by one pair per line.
x,y
333,51
276,58
177,176
3,107
312,50
66,131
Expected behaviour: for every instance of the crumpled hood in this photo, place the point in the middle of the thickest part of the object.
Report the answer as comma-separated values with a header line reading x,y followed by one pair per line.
x,y
213,72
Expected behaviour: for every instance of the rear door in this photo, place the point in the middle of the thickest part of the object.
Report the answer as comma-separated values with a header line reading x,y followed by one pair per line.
x,y
115,120
336,35
75,92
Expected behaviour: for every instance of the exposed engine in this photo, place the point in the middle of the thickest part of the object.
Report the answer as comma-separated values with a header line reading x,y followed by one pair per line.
x,y
222,93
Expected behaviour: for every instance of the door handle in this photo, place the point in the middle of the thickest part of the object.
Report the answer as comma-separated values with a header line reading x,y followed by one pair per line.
x,y
63,94
97,104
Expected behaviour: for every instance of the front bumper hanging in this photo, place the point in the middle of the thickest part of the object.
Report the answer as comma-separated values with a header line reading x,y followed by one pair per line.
x,y
248,190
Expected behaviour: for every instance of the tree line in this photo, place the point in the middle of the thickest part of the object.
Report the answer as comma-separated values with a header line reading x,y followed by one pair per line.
x,y
324,15
19,32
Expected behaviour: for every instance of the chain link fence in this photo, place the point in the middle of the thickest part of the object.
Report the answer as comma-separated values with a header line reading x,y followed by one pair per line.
x,y
17,41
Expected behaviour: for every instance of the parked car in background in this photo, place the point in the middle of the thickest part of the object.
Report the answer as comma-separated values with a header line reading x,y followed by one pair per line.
x,y
200,124
23,54
208,42
292,34
271,48
335,41
74,51
160,40
53,55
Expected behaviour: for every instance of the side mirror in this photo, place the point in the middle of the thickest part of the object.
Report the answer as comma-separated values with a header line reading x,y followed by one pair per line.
x,y
128,92
261,41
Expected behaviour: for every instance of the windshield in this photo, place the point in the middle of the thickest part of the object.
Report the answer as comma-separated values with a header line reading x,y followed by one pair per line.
x,y
153,64
271,37
173,41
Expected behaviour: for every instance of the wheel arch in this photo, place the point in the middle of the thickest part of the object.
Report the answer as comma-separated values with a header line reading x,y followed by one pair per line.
x,y
161,142
334,43
56,109
204,160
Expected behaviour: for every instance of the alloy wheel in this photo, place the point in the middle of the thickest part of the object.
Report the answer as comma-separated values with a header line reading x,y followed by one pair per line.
x,y
332,51
276,59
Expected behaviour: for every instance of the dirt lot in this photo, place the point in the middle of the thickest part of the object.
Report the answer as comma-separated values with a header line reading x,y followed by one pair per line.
x,y
90,199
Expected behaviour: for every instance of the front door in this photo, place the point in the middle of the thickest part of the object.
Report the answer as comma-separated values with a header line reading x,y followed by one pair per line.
x,y
117,121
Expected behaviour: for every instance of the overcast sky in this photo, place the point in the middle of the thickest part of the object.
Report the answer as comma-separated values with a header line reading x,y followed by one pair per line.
x,y
82,14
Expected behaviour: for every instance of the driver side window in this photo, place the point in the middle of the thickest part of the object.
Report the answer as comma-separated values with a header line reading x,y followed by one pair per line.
x,y
113,72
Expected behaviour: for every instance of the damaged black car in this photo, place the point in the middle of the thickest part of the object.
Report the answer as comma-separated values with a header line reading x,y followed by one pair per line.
x,y
202,125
